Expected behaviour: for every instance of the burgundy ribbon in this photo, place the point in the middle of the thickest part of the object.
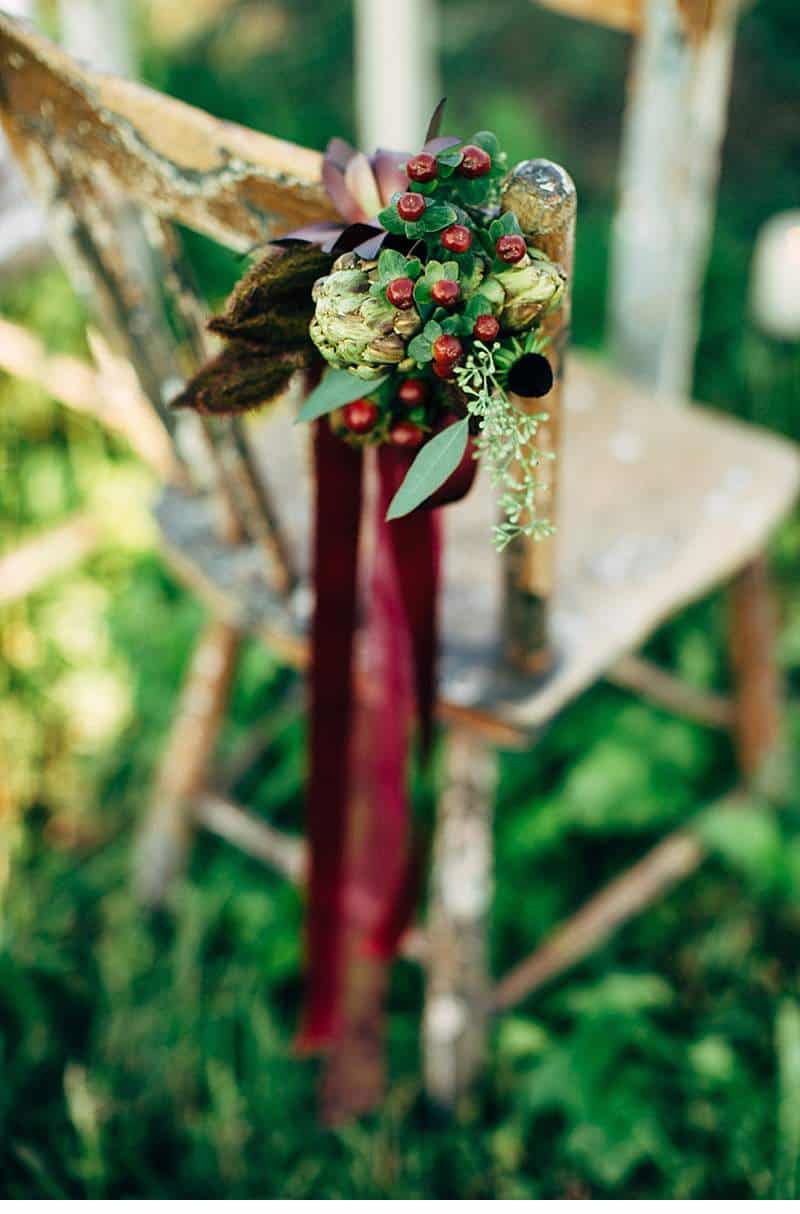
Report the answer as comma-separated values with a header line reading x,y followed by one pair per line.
x,y
366,864
337,514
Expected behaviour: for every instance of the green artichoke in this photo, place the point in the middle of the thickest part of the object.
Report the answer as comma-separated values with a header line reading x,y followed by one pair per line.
x,y
357,330
530,288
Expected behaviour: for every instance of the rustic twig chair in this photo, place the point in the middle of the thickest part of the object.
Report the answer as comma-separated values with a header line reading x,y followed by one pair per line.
x,y
117,165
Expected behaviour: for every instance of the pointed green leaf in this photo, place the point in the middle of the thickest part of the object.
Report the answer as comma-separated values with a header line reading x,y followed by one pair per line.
x,y
420,349
488,141
449,158
336,389
391,221
391,264
435,462
438,216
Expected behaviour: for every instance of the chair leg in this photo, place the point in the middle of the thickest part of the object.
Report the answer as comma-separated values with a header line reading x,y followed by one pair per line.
x,y
353,1078
456,1020
167,830
758,710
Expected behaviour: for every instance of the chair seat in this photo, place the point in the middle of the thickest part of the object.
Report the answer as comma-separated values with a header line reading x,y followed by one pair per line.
x,y
659,502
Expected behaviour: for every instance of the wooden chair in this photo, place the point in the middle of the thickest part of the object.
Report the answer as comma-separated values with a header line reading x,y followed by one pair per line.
x,y
118,165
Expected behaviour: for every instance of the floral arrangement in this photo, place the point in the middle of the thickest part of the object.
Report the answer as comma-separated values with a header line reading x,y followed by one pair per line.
x,y
427,315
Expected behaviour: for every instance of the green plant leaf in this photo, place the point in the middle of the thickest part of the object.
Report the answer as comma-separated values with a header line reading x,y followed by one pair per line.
x,y
479,305
438,216
420,349
473,192
432,330
422,294
493,290
391,221
391,264
336,389
488,141
436,461
506,225
450,270
449,158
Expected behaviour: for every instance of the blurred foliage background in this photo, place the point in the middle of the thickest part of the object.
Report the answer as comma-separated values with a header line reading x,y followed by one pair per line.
x,y
151,1057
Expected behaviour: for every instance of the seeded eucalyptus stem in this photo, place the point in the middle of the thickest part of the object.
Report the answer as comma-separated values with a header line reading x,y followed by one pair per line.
x,y
505,441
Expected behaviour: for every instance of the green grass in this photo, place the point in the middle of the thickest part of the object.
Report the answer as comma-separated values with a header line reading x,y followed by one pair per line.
x,y
151,1056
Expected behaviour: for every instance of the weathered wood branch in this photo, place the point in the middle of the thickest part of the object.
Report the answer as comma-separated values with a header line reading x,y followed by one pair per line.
x,y
674,127
283,852
665,690
455,1024
670,861
542,195
30,566
184,766
618,14
108,392
235,185
236,476
759,709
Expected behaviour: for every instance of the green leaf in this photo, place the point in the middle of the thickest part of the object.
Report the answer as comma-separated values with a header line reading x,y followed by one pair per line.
x,y
422,293
413,267
391,264
432,330
420,349
336,389
493,290
436,461
391,221
438,216
434,272
449,158
479,305
450,270
506,225
488,141
473,192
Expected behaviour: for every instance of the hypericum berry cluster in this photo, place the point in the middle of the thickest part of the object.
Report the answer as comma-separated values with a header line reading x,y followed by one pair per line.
x,y
403,414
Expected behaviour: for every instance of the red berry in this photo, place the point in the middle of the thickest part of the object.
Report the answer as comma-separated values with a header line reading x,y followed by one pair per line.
x,y
443,370
486,328
406,434
446,292
410,207
447,349
474,161
456,238
412,392
400,292
422,167
360,415
511,248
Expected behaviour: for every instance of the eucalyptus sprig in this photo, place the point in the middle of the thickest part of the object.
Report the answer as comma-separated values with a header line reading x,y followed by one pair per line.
x,y
505,439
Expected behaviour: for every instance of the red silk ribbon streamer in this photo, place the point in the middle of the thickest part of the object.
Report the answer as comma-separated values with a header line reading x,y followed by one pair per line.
x,y
365,866
405,589
335,559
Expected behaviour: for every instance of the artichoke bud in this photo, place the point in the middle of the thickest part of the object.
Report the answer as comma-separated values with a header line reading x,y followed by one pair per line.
x,y
532,287
355,330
